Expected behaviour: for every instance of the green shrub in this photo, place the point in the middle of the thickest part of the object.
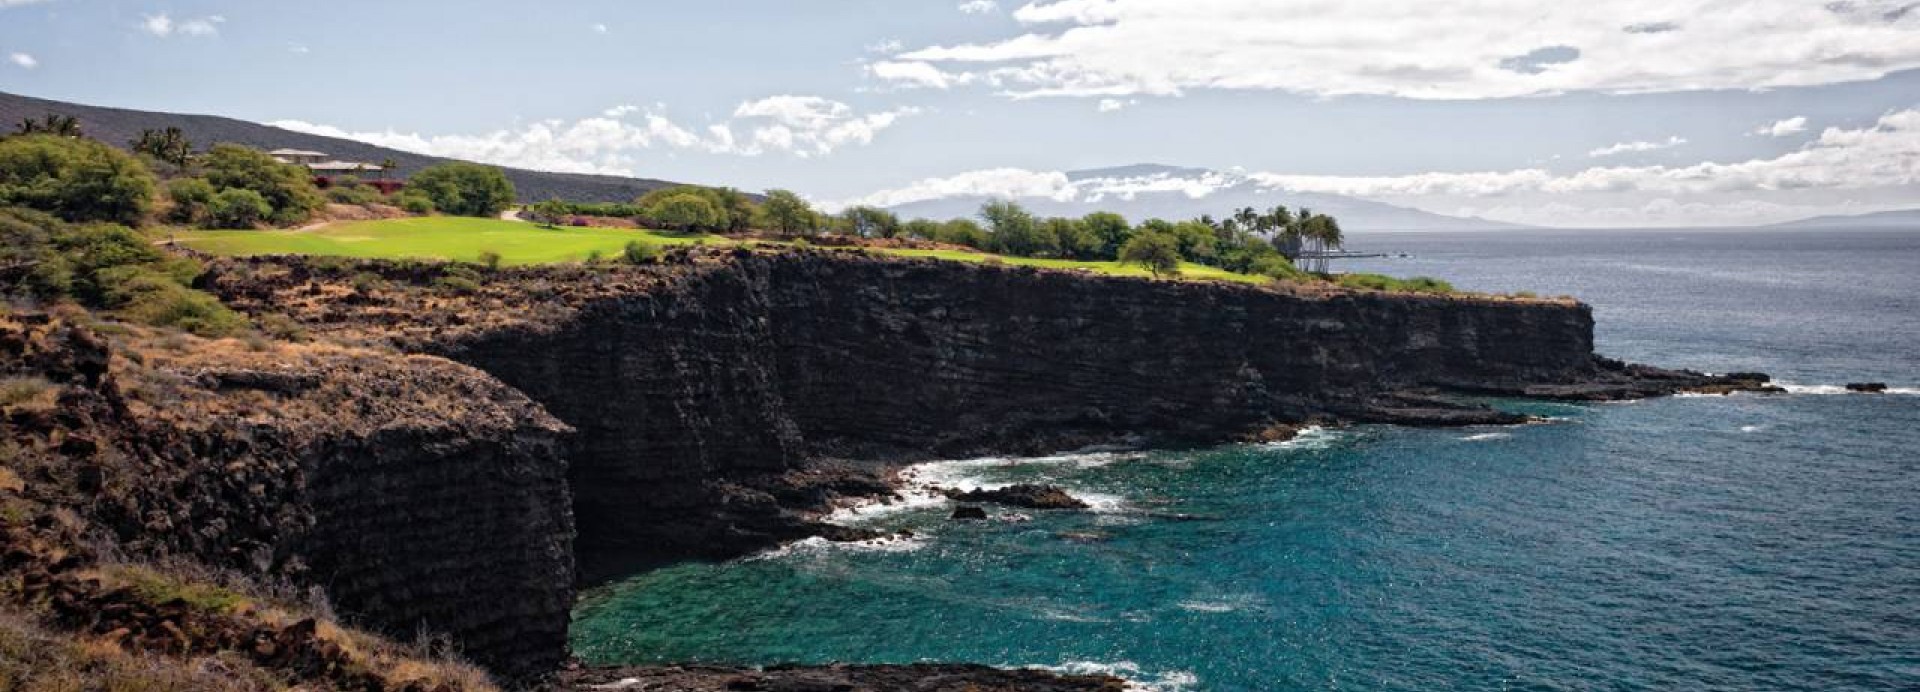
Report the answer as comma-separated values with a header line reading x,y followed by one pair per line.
x,y
282,327
464,189
237,207
75,179
640,252
456,284
287,189
491,259
1418,284
144,295
341,193
191,197
414,202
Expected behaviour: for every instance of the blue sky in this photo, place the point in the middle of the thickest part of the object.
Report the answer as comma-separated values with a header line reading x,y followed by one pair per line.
x,y
1604,112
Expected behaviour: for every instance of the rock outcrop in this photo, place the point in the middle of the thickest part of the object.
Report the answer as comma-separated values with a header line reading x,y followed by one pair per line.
x,y
1021,495
418,493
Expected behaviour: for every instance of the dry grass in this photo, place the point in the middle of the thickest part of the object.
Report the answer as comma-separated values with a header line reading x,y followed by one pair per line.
x,y
33,659
30,393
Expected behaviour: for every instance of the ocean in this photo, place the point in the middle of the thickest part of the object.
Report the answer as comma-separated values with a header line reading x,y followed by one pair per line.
x,y
1699,543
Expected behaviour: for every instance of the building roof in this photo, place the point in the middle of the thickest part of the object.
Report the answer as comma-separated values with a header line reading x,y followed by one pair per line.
x,y
294,152
343,166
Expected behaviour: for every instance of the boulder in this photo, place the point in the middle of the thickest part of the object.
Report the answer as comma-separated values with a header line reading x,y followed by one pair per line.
x,y
1867,387
969,513
1023,495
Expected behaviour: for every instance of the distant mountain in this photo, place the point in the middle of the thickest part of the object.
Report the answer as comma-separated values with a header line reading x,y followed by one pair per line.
x,y
118,126
1902,218
1145,191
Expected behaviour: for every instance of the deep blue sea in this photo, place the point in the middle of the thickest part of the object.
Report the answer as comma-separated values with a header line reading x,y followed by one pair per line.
x,y
1693,543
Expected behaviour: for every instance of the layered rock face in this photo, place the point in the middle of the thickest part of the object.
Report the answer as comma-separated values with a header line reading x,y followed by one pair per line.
x,y
419,494
696,396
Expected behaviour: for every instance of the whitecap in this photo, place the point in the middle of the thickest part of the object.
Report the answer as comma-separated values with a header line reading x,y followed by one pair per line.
x,y
815,545
1752,428
1484,437
1823,389
1310,437
1137,679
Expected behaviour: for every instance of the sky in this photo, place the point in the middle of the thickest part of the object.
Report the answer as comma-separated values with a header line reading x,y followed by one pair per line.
x,y
1596,113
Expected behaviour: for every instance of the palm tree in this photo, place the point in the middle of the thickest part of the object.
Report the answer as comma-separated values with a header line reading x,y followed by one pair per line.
x,y
170,145
386,165
52,124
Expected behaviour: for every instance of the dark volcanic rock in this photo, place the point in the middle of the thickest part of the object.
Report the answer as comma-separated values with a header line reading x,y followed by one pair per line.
x,y
968,512
1867,387
1022,495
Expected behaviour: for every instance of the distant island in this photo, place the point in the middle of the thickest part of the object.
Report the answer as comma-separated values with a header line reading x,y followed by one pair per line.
x,y
1899,218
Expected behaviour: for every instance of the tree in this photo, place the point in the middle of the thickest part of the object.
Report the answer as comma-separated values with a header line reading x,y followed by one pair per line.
x,y
191,198
550,212
386,167
51,124
1158,252
1110,229
1014,231
465,189
963,232
238,207
786,211
923,229
1072,238
169,145
1197,241
287,188
871,222
686,211
74,179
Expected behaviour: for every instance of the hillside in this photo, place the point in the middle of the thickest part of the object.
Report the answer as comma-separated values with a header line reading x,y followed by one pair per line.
x,y
1148,191
118,126
1901,218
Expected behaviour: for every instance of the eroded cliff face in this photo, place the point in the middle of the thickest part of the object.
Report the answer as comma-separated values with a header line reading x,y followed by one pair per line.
x,y
417,493
708,390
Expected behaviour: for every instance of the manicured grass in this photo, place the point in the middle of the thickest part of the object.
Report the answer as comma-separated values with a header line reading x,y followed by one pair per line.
x,y
436,237
1188,270
463,239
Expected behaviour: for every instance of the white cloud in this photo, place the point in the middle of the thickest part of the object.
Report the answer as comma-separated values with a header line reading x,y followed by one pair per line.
x,y
1635,147
23,60
163,25
1434,49
1111,105
1879,163
16,3
299,48
979,6
803,126
599,28
914,74
1886,153
886,47
1790,126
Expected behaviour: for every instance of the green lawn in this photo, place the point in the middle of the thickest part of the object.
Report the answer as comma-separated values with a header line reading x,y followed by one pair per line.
x,y
463,239
434,237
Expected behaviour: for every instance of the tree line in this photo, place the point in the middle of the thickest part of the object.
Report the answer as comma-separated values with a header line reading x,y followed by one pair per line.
x,y
1247,240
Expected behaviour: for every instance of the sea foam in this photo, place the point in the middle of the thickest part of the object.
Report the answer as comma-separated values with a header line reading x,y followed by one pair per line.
x,y
1136,677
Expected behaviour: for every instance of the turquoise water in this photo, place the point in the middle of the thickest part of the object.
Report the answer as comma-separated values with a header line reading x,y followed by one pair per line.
x,y
1738,543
